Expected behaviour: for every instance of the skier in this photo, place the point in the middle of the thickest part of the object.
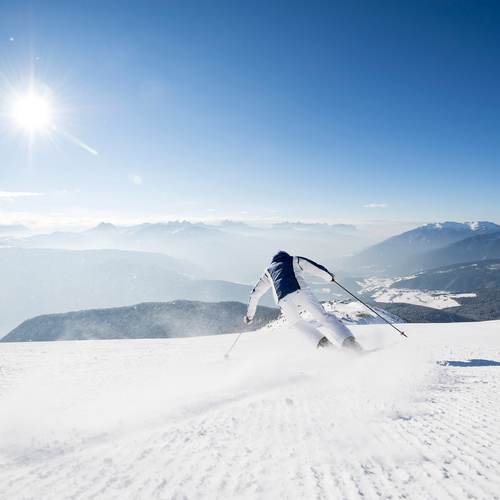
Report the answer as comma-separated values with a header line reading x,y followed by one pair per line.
x,y
291,292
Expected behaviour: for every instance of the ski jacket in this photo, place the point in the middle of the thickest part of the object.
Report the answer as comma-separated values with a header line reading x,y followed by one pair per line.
x,y
285,276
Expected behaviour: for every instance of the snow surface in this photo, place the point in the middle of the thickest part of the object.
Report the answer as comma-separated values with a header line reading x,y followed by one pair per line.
x,y
171,418
353,312
379,289
435,299
475,226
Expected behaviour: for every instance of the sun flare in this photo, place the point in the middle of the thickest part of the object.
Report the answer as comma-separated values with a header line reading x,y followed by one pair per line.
x,y
32,112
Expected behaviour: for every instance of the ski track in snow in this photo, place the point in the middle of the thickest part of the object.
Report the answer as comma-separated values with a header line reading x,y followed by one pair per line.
x,y
171,419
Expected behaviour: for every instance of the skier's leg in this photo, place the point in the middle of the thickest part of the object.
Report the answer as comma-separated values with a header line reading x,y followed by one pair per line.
x,y
291,311
336,330
312,334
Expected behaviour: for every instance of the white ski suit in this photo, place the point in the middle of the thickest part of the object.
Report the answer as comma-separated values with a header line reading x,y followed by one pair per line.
x,y
285,276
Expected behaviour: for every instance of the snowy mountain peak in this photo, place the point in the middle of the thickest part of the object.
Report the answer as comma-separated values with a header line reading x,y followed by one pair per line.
x,y
483,226
104,227
475,226
398,251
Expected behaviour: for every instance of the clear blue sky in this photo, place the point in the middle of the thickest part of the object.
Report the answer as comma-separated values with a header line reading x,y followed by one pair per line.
x,y
297,110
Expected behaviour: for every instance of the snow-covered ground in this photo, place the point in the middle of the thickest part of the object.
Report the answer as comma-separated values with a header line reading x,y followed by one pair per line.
x,y
379,289
353,312
146,419
435,299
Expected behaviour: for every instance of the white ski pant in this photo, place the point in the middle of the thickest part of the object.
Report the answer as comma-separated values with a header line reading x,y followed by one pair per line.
x,y
304,301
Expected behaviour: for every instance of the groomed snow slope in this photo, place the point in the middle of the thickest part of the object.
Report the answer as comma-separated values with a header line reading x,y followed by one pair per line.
x,y
164,419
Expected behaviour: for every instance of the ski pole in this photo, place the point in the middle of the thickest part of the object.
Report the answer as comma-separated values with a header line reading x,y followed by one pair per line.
x,y
371,309
226,356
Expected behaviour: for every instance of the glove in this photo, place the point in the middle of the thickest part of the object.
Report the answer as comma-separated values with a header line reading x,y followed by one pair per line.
x,y
247,320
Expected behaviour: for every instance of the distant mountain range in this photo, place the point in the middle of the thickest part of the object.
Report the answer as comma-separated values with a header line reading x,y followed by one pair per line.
x,y
44,274
182,318
317,227
429,246
179,318
236,251
464,277
474,248
233,251
13,230
41,281
458,292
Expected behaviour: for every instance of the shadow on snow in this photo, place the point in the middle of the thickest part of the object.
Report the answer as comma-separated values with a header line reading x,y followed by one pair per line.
x,y
470,363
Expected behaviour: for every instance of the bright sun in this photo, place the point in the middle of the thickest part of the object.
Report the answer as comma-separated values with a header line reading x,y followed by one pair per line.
x,y
36,112
32,112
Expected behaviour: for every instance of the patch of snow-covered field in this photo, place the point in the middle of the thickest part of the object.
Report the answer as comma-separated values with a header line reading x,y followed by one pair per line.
x,y
145,419
354,313
435,299
380,290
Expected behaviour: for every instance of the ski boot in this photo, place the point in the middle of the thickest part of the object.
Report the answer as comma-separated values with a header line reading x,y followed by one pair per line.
x,y
351,344
324,343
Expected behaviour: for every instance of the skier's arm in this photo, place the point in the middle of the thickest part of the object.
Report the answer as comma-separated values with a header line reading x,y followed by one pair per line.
x,y
258,291
309,266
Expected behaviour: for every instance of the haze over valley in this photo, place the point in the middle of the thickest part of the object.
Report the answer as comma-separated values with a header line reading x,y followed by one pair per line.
x,y
111,266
